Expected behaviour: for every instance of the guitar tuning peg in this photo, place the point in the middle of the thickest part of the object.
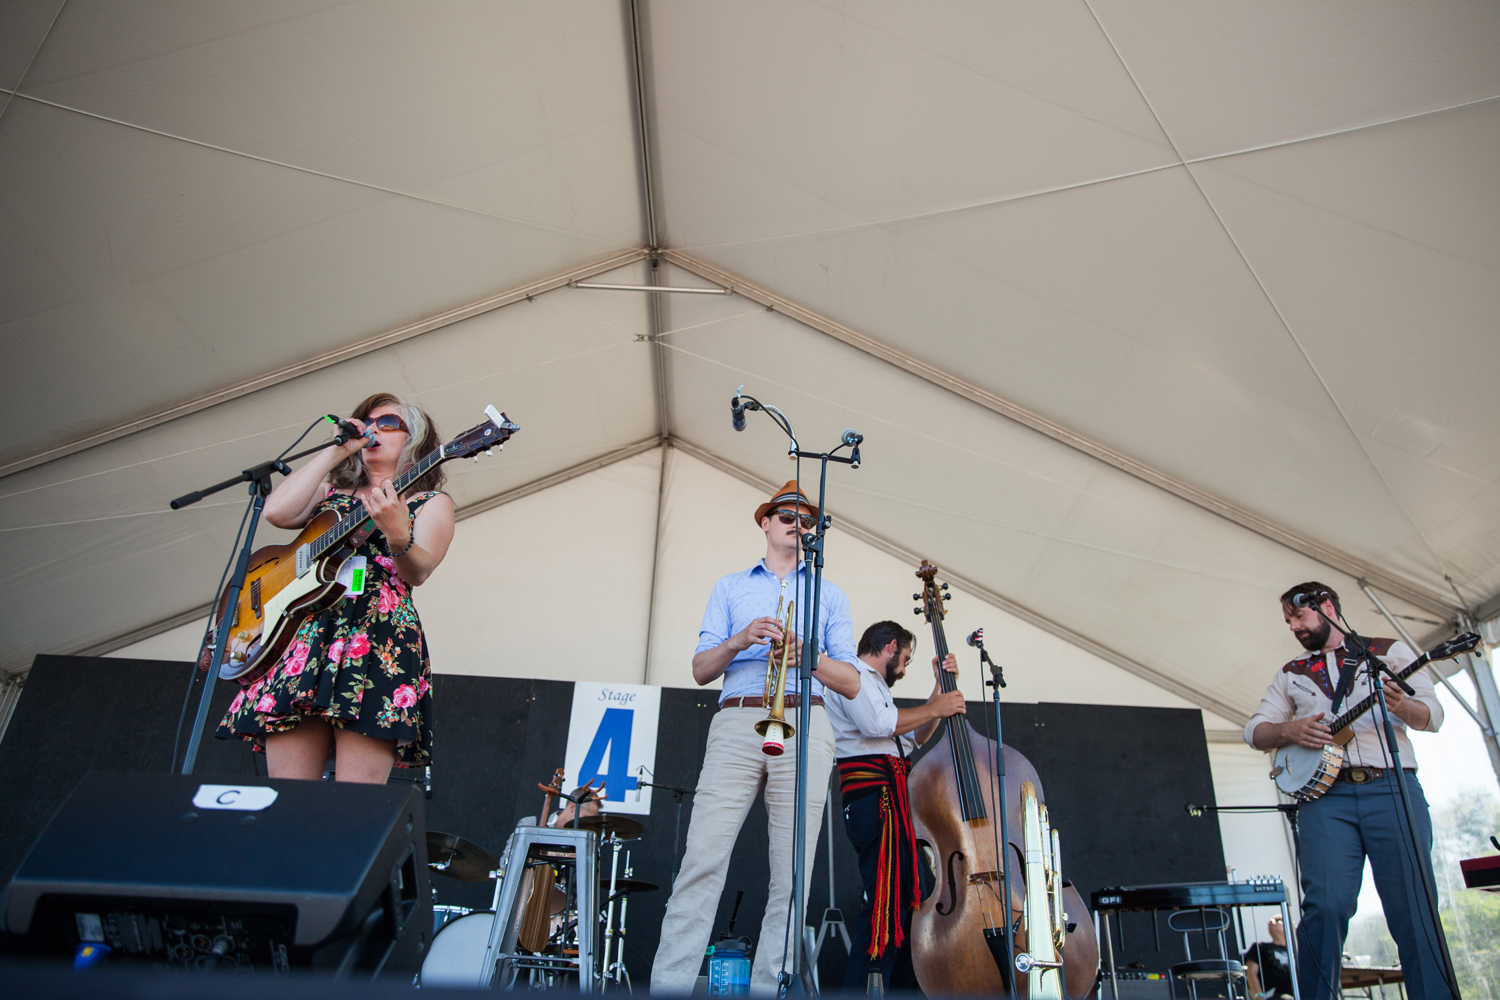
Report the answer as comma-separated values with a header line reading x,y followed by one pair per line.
x,y
944,587
916,611
947,597
916,597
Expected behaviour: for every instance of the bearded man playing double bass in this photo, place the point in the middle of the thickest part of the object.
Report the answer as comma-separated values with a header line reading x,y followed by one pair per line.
x,y
877,816
737,625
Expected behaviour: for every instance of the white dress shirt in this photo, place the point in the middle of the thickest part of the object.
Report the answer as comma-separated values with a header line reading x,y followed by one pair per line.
x,y
866,723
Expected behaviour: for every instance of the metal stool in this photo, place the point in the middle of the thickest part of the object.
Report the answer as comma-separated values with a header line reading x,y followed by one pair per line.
x,y
1207,969
566,848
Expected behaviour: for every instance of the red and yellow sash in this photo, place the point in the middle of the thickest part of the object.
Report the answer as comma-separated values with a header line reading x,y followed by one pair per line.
x,y
896,875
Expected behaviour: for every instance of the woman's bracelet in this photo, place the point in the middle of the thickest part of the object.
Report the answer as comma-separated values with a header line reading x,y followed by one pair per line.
x,y
411,538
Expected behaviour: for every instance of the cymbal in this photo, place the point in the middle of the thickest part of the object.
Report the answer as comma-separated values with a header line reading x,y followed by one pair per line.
x,y
457,858
622,827
627,885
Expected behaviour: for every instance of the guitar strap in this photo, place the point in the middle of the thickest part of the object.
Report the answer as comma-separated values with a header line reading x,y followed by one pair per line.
x,y
1349,665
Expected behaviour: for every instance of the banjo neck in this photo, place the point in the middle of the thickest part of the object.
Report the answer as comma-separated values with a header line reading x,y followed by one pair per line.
x,y
1342,726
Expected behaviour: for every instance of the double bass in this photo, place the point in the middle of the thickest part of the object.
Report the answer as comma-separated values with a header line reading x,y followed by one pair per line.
x,y
957,935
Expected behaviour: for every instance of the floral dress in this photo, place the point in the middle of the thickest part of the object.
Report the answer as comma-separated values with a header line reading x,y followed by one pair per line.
x,y
362,665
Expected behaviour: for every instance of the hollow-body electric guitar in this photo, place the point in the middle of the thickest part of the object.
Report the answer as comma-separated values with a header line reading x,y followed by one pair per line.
x,y
1305,774
287,584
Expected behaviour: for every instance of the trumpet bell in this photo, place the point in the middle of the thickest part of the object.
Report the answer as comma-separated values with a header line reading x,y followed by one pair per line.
x,y
776,733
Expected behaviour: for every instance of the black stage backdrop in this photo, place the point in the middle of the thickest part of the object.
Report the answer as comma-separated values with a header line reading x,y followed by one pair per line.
x,y
1116,780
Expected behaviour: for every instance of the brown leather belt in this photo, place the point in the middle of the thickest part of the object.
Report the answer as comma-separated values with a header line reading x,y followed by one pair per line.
x,y
792,701
1365,775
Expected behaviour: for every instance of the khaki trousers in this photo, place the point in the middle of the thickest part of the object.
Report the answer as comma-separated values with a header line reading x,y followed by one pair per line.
x,y
734,772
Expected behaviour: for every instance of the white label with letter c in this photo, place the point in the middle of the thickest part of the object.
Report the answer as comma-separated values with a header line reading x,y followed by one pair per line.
x,y
244,798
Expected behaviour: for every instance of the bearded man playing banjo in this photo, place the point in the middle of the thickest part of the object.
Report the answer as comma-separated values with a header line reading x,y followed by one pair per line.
x,y
1359,816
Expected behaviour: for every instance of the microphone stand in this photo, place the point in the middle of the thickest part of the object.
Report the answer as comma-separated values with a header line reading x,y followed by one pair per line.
x,y
995,683
259,478
677,793
1375,667
812,545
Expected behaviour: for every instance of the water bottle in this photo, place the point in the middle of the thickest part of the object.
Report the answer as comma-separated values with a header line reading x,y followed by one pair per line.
x,y
728,970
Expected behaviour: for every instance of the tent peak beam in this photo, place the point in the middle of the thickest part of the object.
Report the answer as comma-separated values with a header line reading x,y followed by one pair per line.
x,y
1190,694
683,289
1431,601
328,359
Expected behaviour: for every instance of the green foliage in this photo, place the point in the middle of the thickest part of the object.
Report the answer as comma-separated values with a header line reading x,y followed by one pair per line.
x,y
1471,919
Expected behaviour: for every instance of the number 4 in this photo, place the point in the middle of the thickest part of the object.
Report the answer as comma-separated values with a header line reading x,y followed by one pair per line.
x,y
613,735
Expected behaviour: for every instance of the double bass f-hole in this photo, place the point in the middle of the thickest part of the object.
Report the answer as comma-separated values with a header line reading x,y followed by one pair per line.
x,y
952,887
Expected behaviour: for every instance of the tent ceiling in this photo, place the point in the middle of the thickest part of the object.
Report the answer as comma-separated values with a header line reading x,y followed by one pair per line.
x,y
1069,206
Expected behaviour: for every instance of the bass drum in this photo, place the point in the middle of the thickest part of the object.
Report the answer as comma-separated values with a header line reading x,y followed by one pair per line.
x,y
456,958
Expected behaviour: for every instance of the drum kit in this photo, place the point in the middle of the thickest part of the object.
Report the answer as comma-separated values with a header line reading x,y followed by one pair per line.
x,y
556,909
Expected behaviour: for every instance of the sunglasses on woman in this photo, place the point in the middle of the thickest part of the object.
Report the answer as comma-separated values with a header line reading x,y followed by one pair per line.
x,y
387,422
792,517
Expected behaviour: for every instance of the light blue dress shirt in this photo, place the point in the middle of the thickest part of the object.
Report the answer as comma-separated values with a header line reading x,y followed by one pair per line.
x,y
740,598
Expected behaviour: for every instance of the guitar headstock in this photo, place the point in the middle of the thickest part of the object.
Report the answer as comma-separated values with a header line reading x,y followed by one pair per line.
x,y
496,429
933,594
556,784
1461,644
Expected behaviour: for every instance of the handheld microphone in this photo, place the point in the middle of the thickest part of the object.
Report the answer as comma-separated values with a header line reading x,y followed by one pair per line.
x,y
347,430
976,637
737,413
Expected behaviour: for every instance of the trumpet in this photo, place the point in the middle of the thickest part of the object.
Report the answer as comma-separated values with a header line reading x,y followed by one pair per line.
x,y
774,727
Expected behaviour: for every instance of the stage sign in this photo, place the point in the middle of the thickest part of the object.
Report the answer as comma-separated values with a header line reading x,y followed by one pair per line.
x,y
612,739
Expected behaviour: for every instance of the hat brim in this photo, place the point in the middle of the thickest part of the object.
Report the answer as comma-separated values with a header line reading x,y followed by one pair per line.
x,y
787,496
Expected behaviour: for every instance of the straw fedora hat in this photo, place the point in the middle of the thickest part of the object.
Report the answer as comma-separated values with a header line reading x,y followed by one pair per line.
x,y
783,497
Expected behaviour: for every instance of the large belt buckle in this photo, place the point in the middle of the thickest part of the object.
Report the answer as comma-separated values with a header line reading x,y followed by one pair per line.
x,y
1361,775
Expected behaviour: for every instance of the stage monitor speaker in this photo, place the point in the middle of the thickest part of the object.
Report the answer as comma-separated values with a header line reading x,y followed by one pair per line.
x,y
198,872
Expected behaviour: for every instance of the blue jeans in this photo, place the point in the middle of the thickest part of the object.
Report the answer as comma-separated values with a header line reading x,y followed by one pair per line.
x,y
1338,831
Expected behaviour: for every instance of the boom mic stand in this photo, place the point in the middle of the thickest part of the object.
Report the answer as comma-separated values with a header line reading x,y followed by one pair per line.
x,y
1375,667
259,478
678,793
812,543
995,683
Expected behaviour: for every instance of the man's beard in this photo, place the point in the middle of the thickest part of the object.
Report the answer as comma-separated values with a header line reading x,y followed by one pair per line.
x,y
1313,638
893,671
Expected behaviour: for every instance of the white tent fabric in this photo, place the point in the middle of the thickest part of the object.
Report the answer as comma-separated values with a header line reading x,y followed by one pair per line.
x,y
1147,310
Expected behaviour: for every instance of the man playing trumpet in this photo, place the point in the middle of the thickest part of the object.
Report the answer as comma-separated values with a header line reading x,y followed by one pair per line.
x,y
738,624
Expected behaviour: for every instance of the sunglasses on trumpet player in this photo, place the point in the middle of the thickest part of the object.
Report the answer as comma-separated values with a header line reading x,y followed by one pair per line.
x,y
792,517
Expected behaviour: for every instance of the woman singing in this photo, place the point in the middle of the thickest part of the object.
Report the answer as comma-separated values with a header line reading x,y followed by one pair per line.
x,y
357,675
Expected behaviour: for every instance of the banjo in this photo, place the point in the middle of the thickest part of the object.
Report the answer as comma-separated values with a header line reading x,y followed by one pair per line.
x,y
1305,774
